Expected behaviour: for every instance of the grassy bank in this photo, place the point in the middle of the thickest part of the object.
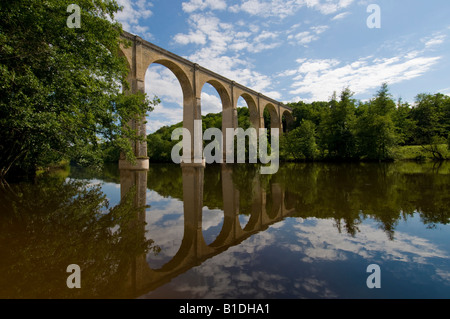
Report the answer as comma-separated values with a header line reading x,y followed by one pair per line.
x,y
418,153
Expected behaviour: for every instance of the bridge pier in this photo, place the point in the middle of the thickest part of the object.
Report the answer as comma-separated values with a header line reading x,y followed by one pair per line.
x,y
136,81
135,180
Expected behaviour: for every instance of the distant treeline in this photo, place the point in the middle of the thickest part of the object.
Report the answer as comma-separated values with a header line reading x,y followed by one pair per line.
x,y
347,129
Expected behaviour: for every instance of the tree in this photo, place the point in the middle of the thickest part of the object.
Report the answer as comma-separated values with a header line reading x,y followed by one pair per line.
x,y
301,142
375,129
432,115
338,127
60,87
404,124
62,221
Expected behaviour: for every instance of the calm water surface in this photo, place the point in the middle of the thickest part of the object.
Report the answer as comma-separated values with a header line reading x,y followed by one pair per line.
x,y
309,231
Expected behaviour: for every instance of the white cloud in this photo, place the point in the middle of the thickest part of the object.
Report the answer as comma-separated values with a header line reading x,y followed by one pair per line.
x,y
132,15
221,47
329,6
317,79
306,37
163,116
160,81
445,91
194,5
210,103
196,37
319,243
434,40
340,16
284,8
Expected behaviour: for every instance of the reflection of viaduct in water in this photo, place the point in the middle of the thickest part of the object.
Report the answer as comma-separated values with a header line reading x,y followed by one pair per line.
x,y
193,250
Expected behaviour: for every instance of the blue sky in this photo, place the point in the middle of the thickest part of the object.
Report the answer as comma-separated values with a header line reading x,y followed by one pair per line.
x,y
294,50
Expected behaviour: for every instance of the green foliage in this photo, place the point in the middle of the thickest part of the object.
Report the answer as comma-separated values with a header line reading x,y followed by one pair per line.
x,y
346,193
48,225
347,129
338,128
404,123
160,144
300,143
375,128
432,115
60,88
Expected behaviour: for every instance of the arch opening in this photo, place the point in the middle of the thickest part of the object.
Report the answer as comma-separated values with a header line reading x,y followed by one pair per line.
x,y
270,117
165,83
214,96
287,121
247,112
171,85
211,105
166,227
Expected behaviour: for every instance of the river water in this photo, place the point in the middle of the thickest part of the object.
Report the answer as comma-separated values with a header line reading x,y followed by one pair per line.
x,y
225,231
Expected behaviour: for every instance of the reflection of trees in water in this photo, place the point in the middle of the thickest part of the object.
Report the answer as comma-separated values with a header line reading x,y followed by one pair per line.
x,y
244,180
47,226
350,193
166,180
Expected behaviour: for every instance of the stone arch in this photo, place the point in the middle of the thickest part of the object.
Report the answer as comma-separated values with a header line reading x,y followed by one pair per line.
x,y
126,53
228,226
229,112
227,108
183,253
274,117
287,120
123,53
128,82
190,113
252,109
182,77
221,90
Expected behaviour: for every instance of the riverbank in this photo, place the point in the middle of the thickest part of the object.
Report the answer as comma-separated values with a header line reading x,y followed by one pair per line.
x,y
418,153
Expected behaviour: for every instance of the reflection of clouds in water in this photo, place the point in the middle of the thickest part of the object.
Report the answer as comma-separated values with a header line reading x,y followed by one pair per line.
x,y
253,270
320,243
243,220
444,275
316,287
165,226
211,218
238,272
212,223
112,192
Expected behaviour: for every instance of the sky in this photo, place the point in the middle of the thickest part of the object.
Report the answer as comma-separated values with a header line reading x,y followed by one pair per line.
x,y
295,50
